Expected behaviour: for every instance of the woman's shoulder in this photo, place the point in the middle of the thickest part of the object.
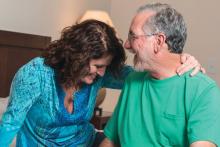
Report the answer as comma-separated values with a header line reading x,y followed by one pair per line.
x,y
36,67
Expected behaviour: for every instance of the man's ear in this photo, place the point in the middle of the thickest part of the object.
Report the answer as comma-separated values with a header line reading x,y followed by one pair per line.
x,y
160,41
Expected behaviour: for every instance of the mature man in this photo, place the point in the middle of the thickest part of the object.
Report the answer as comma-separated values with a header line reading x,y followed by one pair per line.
x,y
159,108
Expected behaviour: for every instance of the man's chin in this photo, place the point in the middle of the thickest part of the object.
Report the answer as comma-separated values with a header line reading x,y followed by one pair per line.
x,y
139,67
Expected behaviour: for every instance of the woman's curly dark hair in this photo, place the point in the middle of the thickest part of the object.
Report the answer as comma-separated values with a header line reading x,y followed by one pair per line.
x,y
70,55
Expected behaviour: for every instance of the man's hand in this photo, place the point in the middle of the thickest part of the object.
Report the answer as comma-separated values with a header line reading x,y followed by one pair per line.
x,y
189,62
107,143
202,144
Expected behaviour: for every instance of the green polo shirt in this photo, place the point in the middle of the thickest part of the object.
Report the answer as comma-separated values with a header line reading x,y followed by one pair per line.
x,y
176,111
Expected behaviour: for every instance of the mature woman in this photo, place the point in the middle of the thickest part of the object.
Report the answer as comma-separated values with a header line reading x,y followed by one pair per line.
x,y
52,97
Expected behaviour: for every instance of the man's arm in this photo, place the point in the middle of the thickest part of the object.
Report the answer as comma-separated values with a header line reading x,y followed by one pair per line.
x,y
25,90
107,143
202,144
204,117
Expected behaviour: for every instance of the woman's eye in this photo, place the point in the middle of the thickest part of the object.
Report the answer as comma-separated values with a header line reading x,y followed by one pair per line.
x,y
100,66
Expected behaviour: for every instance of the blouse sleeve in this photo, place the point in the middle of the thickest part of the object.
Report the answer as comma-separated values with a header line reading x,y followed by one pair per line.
x,y
117,83
25,89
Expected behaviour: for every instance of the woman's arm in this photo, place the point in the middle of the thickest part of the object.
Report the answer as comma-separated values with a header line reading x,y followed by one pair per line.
x,y
109,81
25,89
107,143
202,144
188,62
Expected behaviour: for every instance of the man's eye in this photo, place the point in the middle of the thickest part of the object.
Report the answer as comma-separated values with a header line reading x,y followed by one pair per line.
x,y
100,66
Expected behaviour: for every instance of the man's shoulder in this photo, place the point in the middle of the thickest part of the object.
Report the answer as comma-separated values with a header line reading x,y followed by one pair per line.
x,y
201,84
201,79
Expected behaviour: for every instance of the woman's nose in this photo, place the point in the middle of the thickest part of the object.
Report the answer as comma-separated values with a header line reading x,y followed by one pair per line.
x,y
101,71
93,69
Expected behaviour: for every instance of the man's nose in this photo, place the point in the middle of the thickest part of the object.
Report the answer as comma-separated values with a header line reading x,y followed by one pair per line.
x,y
127,44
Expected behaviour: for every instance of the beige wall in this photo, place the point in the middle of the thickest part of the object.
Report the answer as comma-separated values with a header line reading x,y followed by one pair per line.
x,y
203,21
44,17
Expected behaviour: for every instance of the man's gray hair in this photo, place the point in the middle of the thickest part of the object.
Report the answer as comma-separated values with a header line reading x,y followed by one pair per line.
x,y
168,21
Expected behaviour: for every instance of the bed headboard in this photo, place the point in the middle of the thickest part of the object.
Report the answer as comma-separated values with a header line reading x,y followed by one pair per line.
x,y
16,49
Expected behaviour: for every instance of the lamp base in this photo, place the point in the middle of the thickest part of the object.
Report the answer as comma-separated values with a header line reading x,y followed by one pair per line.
x,y
98,111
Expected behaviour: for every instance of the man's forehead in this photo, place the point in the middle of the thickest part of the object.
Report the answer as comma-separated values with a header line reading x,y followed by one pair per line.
x,y
139,20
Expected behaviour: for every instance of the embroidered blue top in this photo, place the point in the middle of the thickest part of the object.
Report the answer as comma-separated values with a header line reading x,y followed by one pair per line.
x,y
36,111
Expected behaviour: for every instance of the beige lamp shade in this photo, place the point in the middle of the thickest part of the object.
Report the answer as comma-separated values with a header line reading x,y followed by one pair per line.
x,y
100,96
97,15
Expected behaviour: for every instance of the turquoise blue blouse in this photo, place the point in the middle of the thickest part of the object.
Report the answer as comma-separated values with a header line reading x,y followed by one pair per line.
x,y
36,111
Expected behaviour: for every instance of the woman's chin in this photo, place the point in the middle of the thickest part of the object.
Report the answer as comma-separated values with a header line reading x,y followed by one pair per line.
x,y
89,81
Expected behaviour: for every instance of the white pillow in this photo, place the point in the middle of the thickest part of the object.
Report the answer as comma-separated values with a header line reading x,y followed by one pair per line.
x,y
3,105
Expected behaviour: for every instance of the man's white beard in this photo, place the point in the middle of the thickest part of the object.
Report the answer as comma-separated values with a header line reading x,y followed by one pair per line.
x,y
139,66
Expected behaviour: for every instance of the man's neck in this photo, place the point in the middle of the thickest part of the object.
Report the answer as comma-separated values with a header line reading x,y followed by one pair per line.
x,y
166,66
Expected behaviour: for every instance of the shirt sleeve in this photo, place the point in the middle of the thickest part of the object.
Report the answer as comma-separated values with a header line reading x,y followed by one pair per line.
x,y
117,83
111,130
25,89
204,117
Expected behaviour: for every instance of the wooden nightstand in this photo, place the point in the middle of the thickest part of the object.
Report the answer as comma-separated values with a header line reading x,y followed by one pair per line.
x,y
99,121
